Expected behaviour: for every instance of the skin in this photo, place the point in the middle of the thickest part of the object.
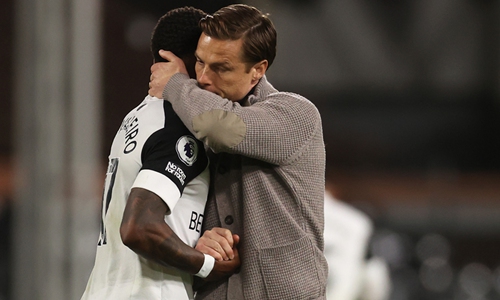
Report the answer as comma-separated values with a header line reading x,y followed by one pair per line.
x,y
217,243
144,230
220,69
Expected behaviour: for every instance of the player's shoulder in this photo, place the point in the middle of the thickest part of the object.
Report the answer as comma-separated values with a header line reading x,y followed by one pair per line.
x,y
142,121
150,114
150,106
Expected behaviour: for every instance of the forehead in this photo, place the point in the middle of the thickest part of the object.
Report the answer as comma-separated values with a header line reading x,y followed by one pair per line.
x,y
212,50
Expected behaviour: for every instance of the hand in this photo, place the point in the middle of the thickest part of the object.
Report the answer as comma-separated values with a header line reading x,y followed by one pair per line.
x,y
225,268
161,72
219,243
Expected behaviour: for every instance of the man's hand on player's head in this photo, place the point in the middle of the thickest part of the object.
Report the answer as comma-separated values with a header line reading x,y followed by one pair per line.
x,y
161,72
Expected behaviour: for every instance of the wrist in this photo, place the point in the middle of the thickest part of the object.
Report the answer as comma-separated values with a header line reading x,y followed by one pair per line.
x,y
207,267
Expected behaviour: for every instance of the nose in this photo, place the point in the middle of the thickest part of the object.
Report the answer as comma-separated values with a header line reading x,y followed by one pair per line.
x,y
203,76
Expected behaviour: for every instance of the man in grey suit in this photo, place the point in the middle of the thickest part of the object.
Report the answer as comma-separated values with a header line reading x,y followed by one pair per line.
x,y
267,159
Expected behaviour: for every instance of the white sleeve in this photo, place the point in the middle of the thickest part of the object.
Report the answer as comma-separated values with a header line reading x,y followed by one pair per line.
x,y
159,184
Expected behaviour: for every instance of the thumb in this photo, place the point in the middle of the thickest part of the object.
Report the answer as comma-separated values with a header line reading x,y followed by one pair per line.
x,y
168,55
236,239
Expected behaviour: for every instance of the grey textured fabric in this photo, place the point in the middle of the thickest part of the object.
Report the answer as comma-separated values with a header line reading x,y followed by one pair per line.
x,y
268,188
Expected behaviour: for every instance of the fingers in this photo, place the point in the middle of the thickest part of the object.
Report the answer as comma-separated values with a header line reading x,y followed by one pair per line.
x,y
218,243
220,234
155,89
224,269
211,248
224,238
236,257
161,72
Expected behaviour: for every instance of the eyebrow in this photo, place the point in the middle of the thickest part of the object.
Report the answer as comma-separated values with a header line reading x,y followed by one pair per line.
x,y
223,64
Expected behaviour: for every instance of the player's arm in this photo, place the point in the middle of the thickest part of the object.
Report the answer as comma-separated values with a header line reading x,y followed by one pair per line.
x,y
144,230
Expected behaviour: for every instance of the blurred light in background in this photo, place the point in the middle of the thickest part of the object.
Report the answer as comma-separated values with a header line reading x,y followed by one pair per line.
x,y
476,280
391,246
138,32
432,246
436,274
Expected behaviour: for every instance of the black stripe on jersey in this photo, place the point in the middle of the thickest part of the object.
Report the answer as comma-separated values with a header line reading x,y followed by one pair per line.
x,y
159,152
140,106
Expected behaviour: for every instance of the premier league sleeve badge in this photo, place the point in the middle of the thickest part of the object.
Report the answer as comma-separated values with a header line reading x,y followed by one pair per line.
x,y
187,150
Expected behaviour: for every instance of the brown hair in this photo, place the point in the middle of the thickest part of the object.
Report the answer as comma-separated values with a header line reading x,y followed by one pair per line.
x,y
248,23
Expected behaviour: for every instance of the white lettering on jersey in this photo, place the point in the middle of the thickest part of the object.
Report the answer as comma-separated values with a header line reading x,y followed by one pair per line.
x,y
187,150
178,172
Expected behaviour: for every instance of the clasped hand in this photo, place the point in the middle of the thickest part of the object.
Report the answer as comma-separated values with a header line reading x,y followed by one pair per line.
x,y
221,244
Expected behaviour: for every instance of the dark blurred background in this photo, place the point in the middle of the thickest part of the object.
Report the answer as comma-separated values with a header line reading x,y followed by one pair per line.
x,y
409,93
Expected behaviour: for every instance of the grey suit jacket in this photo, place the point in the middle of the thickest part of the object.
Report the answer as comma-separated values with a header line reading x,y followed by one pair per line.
x,y
268,164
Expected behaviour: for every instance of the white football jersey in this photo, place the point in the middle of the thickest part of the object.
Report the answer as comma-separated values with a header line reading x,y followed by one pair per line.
x,y
155,151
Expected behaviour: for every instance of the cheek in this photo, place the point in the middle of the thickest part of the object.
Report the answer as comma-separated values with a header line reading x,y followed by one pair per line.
x,y
236,87
236,81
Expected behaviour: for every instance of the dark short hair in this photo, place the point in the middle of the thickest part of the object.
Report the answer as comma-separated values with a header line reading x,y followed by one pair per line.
x,y
177,31
247,22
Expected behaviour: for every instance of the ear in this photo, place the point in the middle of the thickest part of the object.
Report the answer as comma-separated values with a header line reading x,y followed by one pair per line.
x,y
259,70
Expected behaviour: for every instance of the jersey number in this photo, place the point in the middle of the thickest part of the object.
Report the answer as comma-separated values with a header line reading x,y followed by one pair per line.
x,y
106,197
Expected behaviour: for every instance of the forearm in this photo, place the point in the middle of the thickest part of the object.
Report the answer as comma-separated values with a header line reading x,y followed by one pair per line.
x,y
273,130
190,101
145,232
162,246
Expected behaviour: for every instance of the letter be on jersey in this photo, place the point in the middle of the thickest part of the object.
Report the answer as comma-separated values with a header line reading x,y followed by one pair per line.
x,y
196,221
